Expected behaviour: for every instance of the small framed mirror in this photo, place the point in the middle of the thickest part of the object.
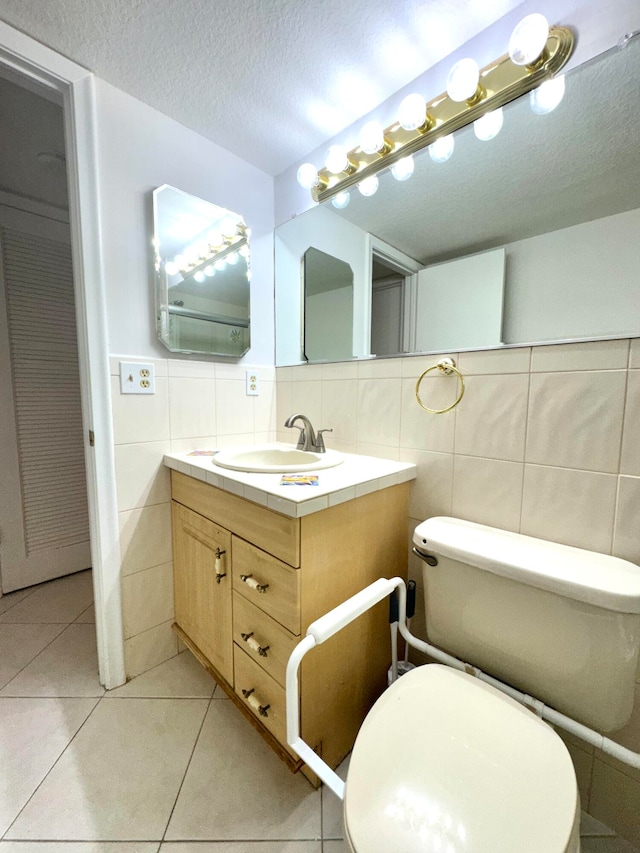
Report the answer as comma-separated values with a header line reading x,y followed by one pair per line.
x,y
202,275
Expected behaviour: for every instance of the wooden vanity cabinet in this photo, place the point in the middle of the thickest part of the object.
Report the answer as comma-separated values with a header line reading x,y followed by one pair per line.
x,y
276,575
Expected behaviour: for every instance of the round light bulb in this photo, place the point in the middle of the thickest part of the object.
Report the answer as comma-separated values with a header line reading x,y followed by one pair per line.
x,y
220,265
372,138
442,149
463,79
171,268
199,276
403,169
209,271
546,97
529,39
233,258
341,200
180,261
244,251
489,125
308,176
337,160
369,186
413,112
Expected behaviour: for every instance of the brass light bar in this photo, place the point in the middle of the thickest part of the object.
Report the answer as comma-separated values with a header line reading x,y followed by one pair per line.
x,y
501,82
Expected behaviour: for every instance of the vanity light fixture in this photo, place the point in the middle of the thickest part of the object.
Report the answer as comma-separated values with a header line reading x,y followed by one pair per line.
x,y
403,169
207,256
489,125
546,98
341,200
536,54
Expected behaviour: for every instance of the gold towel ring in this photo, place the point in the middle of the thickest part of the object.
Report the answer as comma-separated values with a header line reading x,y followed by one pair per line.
x,y
448,366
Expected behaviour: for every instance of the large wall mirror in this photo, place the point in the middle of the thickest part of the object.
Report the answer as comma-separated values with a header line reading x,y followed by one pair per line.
x,y
202,274
558,194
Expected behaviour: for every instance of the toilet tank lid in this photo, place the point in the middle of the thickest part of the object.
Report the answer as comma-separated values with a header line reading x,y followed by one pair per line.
x,y
598,579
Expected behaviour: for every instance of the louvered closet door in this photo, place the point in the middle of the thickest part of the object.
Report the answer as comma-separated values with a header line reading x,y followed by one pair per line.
x,y
44,528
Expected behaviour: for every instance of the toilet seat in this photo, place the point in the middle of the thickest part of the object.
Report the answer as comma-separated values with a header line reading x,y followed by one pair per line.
x,y
447,763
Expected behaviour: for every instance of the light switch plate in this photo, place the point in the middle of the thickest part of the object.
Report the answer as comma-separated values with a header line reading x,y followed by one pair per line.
x,y
253,383
137,378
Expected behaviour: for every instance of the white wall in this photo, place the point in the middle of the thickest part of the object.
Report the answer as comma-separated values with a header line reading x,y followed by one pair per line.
x,y
139,149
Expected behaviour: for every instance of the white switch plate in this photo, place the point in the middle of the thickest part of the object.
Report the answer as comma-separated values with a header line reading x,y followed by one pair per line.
x,y
137,378
253,383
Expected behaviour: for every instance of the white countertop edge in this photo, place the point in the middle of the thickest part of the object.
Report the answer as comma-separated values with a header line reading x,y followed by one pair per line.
x,y
355,477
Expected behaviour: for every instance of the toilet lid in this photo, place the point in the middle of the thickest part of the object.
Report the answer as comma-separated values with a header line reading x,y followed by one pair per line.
x,y
446,763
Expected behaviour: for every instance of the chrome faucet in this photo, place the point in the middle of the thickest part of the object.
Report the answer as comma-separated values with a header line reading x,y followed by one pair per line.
x,y
308,438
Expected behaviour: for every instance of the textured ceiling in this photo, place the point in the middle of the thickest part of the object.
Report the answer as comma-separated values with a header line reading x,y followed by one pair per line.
x,y
267,79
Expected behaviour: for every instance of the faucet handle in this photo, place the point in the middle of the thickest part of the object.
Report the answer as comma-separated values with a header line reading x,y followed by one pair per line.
x,y
320,448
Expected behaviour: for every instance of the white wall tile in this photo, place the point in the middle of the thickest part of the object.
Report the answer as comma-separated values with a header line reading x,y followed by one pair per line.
x,y
306,373
192,407
615,800
340,370
626,535
422,430
630,460
516,360
378,451
141,478
186,369
487,491
145,538
147,599
148,649
380,368
306,398
140,417
634,353
234,409
379,404
184,445
339,410
432,490
264,408
590,355
413,366
575,419
569,506
491,417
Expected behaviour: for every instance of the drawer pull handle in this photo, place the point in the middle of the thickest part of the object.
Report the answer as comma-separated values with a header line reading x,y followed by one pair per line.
x,y
253,583
255,703
218,565
255,645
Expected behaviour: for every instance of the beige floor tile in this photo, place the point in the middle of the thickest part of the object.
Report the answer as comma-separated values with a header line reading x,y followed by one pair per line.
x,y
237,788
182,677
240,847
332,821
19,644
12,598
67,667
62,600
88,616
606,845
78,847
590,826
33,734
119,778
336,847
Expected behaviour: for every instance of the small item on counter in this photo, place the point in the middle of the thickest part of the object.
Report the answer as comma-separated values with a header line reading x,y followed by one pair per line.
x,y
202,453
299,480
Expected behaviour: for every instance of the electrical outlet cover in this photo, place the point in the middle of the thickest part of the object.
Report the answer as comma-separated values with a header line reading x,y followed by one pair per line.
x,y
253,383
137,378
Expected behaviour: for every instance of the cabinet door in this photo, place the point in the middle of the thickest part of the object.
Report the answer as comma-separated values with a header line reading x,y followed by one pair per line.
x,y
202,597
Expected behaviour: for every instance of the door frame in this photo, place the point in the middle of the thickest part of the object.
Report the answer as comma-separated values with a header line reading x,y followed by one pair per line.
x,y
38,64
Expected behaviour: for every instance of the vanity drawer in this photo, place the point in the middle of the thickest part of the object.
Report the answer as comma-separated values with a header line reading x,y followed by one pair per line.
x,y
264,693
269,644
271,585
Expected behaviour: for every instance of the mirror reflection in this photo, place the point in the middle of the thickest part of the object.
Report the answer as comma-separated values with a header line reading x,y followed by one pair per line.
x,y
202,275
558,193
328,307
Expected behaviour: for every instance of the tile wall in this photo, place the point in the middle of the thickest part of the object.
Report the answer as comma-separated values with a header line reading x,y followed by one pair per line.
x,y
546,442
197,405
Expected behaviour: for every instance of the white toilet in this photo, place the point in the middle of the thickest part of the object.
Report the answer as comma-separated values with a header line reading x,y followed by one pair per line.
x,y
447,763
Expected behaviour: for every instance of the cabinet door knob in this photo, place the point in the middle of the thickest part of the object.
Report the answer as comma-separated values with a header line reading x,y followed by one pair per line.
x,y
253,583
256,703
255,645
218,565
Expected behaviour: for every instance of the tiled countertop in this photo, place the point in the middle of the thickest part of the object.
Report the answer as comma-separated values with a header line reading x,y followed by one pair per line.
x,y
355,477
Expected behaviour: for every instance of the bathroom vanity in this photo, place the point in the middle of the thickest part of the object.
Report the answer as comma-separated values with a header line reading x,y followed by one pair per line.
x,y
256,561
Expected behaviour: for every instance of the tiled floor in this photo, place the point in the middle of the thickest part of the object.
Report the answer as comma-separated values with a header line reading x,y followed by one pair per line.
x,y
164,764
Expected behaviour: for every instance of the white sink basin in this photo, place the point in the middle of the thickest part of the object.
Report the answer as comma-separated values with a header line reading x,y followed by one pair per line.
x,y
275,460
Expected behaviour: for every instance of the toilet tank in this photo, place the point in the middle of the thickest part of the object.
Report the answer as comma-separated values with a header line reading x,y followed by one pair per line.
x,y
559,623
